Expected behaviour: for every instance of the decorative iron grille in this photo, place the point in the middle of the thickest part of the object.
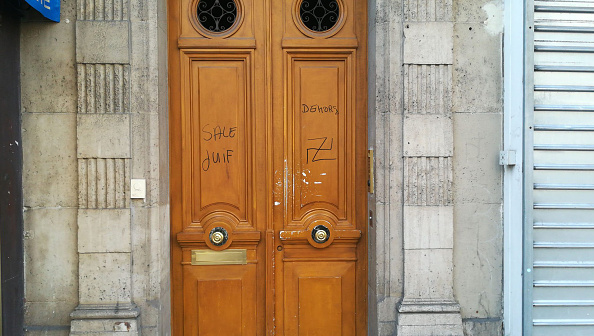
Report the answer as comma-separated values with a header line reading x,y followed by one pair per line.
x,y
217,15
319,15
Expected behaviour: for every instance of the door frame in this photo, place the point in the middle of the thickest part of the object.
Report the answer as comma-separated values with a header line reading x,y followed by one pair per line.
x,y
516,62
173,151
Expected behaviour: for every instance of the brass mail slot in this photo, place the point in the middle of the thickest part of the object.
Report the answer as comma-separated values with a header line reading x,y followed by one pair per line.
x,y
227,257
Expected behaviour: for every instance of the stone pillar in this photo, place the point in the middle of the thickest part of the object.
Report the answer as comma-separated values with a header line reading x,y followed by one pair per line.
x,y
428,306
104,165
385,137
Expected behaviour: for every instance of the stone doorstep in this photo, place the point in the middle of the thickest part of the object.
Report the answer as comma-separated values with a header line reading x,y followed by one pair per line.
x,y
437,330
428,306
104,326
100,320
109,333
105,311
429,319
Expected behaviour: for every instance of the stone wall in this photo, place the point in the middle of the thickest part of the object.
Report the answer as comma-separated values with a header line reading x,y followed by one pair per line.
x,y
94,110
478,123
385,137
416,94
49,106
94,117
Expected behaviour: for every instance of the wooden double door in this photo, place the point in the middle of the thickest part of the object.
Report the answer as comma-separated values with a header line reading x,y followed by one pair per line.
x,y
268,167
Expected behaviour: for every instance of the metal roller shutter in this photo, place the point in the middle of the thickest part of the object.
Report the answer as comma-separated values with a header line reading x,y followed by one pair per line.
x,y
560,244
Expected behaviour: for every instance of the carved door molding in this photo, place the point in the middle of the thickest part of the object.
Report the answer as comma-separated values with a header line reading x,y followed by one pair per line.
x,y
268,131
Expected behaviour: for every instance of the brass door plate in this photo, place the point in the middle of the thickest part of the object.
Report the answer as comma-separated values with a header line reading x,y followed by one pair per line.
x,y
371,181
227,257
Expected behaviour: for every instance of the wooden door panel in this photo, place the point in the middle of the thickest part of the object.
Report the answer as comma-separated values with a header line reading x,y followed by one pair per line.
x,y
323,284
217,157
220,300
320,126
268,141
319,298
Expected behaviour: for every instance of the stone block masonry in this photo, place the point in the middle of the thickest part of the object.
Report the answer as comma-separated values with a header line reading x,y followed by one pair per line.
x,y
104,154
428,306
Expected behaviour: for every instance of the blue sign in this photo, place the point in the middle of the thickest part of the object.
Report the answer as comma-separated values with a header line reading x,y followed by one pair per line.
x,y
49,8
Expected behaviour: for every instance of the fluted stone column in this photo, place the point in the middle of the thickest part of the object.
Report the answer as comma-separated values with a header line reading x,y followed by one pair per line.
x,y
104,164
428,306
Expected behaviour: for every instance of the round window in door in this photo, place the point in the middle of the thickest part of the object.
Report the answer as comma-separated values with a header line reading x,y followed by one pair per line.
x,y
319,18
217,17
319,15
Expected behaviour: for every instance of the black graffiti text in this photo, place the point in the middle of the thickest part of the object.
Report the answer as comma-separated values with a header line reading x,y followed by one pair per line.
x,y
321,150
217,132
316,108
215,158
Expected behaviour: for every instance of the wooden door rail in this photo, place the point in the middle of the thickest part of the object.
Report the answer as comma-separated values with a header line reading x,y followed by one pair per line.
x,y
297,236
189,239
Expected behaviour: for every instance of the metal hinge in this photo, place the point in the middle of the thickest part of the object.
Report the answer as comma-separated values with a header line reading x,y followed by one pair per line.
x,y
370,181
507,158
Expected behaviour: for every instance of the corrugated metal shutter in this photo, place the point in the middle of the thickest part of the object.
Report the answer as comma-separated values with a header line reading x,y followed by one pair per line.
x,y
561,281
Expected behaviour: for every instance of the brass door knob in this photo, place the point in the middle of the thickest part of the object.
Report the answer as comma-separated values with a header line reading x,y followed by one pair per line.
x,y
320,234
218,236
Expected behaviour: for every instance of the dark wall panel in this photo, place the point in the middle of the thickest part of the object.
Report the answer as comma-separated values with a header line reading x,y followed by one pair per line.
x,y
11,198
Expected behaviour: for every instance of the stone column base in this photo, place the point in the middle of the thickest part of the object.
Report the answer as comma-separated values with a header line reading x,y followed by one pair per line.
x,y
105,320
428,318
